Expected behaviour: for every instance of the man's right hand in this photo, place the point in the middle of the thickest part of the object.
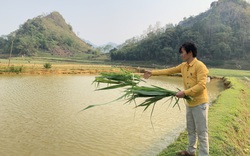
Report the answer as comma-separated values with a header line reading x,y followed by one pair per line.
x,y
147,74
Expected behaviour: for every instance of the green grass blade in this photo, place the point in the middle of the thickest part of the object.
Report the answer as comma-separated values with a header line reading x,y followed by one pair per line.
x,y
113,87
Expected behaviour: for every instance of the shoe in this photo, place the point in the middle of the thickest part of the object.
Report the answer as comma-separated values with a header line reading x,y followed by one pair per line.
x,y
184,153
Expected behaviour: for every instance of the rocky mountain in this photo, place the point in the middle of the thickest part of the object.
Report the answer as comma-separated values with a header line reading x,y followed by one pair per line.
x,y
48,34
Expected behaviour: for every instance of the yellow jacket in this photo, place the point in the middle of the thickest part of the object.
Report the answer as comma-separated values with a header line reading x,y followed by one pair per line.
x,y
194,78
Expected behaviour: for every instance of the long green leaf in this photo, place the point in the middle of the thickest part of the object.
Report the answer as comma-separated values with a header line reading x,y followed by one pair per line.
x,y
113,87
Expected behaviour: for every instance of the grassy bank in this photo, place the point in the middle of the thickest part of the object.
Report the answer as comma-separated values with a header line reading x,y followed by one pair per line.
x,y
229,119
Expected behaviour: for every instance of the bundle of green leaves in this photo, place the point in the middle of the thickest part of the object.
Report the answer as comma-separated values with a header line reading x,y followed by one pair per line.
x,y
151,94
117,80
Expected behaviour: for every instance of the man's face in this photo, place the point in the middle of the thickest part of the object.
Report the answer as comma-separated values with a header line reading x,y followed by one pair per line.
x,y
184,55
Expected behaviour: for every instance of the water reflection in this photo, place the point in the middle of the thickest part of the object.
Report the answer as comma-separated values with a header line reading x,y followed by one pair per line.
x,y
40,115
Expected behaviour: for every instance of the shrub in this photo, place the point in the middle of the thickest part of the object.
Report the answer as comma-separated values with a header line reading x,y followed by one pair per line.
x,y
47,65
15,69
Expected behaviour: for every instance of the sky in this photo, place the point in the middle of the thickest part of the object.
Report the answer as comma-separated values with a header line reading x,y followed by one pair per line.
x,y
102,21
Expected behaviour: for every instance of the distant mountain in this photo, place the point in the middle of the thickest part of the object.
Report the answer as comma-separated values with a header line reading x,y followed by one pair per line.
x,y
221,33
107,47
46,34
89,42
112,44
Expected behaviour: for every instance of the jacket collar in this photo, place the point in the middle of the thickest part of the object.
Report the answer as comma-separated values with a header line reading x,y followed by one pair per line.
x,y
192,63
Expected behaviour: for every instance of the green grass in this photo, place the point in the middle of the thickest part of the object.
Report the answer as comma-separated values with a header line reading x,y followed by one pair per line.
x,y
56,60
228,72
229,119
53,60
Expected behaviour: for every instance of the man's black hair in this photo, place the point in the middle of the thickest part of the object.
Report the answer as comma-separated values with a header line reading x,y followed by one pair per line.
x,y
189,46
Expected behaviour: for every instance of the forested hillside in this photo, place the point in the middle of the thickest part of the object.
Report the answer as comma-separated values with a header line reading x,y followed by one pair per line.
x,y
48,34
221,33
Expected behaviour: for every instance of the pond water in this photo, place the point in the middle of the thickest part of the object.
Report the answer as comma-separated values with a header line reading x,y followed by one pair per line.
x,y
41,115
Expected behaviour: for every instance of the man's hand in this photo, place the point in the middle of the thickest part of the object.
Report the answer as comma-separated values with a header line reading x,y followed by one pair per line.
x,y
147,74
180,94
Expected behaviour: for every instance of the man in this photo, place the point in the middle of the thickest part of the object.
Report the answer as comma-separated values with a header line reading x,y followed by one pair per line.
x,y
194,74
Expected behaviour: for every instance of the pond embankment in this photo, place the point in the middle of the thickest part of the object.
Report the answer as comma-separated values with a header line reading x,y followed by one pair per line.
x,y
39,69
229,121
